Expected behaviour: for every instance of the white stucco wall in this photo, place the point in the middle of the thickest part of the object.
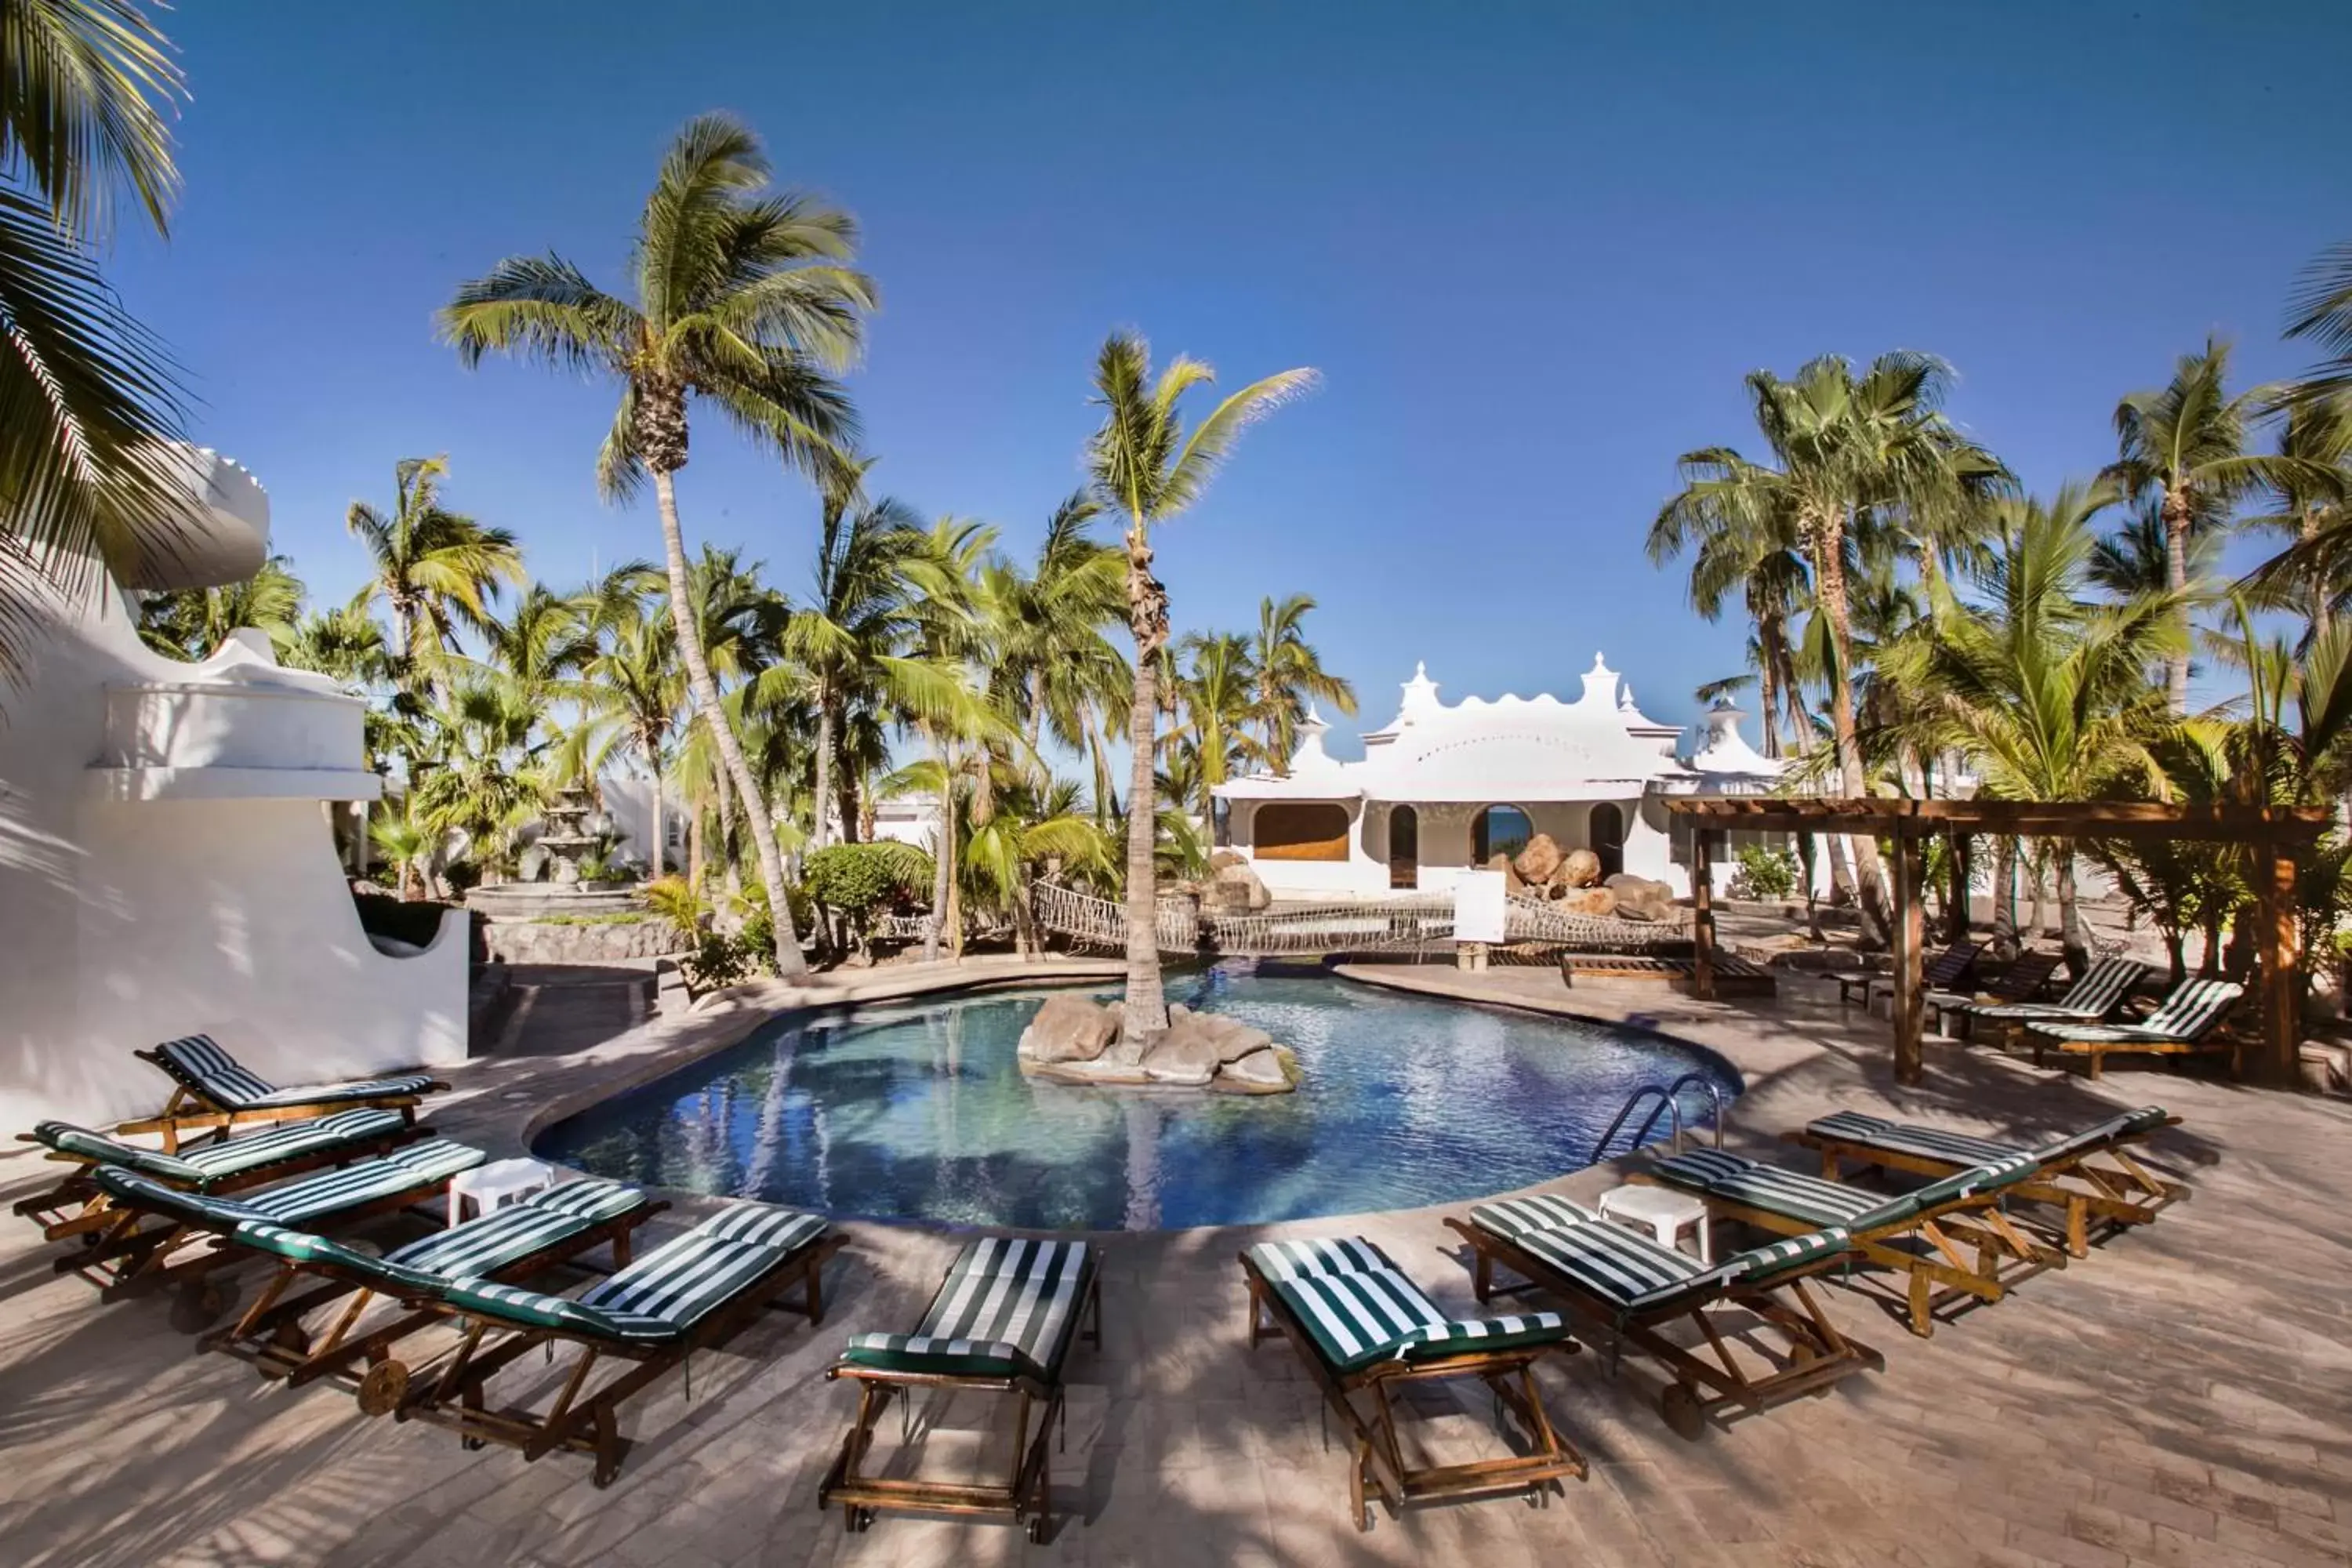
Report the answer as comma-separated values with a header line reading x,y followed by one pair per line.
x,y
138,904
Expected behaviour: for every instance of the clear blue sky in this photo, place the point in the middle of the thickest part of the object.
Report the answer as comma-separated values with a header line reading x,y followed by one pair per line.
x,y
1533,250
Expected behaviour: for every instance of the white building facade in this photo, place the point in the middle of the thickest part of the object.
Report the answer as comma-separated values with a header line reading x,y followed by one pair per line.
x,y
1446,786
166,863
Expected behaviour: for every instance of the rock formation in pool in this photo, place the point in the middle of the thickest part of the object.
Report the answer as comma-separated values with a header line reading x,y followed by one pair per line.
x,y
1074,1040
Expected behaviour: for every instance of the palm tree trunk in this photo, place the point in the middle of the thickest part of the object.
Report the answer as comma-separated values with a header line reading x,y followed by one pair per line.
x,y
2072,939
2176,577
943,855
1870,874
653,761
2004,897
822,813
730,877
2319,611
694,848
1145,1012
790,965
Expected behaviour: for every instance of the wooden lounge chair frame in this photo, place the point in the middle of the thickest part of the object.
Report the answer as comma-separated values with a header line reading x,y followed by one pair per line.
x,y
1378,1465
1946,969
144,1260
190,1110
75,1206
1943,1277
2218,1040
1700,1390
2027,976
580,1422
270,1334
2122,1192
1026,1494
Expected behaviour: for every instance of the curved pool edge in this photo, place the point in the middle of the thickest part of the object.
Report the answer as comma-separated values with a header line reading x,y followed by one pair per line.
x,y
1681,1024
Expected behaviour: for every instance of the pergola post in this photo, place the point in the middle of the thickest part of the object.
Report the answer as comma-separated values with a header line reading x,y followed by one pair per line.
x,y
1910,995
1703,914
1956,843
2282,940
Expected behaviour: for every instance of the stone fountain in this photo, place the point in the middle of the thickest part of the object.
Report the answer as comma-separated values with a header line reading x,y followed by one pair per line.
x,y
569,830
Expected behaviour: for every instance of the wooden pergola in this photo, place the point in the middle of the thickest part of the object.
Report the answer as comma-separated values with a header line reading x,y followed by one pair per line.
x,y
2271,836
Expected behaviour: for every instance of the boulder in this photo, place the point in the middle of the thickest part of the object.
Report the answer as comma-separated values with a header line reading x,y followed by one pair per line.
x,y
1222,858
1599,903
1640,899
1069,1029
1538,860
1271,1070
1185,1055
1235,889
1236,1039
1580,868
1511,882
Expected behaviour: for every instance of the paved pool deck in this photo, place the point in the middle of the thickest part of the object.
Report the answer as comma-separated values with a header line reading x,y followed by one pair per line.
x,y
2181,1398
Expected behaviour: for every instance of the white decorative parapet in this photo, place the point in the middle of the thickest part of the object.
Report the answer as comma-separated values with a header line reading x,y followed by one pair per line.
x,y
237,727
223,538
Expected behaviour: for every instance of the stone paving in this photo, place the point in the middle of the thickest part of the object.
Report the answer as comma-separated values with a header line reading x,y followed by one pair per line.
x,y
2182,1397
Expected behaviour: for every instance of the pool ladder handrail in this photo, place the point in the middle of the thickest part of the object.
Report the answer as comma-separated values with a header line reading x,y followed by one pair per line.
x,y
1670,1105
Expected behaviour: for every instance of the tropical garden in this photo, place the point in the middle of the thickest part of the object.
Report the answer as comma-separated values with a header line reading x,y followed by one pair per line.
x,y
1917,624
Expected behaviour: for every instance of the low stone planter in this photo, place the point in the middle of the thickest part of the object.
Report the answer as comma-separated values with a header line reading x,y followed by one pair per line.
x,y
588,941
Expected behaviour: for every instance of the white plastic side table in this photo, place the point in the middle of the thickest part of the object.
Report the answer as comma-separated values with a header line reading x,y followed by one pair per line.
x,y
1662,1211
497,1184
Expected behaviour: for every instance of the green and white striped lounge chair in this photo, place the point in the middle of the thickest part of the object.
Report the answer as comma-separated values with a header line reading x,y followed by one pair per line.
x,y
695,1292
1949,1238
506,1245
1943,972
2022,982
1002,1323
1366,1330
131,1258
2100,990
75,1206
1627,1290
2182,1024
212,1091
2089,1173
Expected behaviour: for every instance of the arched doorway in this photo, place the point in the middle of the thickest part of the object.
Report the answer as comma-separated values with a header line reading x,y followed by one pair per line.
x,y
1605,836
1404,846
1499,830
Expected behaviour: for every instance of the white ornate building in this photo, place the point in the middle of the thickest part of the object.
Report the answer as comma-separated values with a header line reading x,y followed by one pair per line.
x,y
166,867
1446,786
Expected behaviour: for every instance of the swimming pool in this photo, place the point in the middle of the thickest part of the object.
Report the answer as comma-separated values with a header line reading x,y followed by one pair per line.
x,y
919,1111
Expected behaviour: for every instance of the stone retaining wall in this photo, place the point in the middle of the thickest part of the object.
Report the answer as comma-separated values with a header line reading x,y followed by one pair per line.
x,y
612,942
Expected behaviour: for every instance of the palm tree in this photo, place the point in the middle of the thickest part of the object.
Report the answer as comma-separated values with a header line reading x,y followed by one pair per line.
x,y
744,298
2310,575
1851,457
549,639
2183,445
407,845
1054,666
1290,676
633,693
192,623
2044,691
432,567
934,689
87,398
1146,469
2320,310
1215,679
857,616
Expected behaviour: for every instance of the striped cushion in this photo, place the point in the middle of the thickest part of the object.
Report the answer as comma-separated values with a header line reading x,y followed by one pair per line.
x,y
762,1225
1298,1259
356,1186
1007,1307
2114,1130
1619,1268
1951,964
148,1195
199,1061
301,1246
1761,1265
1717,1173
2105,984
1517,1216
203,1166
2195,1007
503,1237
1909,1137
1973,1183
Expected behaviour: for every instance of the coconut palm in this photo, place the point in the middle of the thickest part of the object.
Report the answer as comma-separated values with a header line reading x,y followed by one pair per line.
x,y
1851,457
1054,666
191,622
632,694
2321,311
2183,445
475,767
858,616
2044,690
548,639
744,297
407,845
1146,468
87,398
1289,676
1214,680
2311,574
432,568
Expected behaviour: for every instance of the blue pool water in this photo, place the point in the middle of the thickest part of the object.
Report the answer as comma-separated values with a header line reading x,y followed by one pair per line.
x,y
921,1112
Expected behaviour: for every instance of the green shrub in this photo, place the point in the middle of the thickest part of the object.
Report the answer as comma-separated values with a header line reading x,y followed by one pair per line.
x,y
1764,873
863,880
716,961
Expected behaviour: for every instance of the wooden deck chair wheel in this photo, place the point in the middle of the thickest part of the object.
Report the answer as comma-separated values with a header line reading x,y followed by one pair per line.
x,y
1685,1412
383,1388
200,1304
